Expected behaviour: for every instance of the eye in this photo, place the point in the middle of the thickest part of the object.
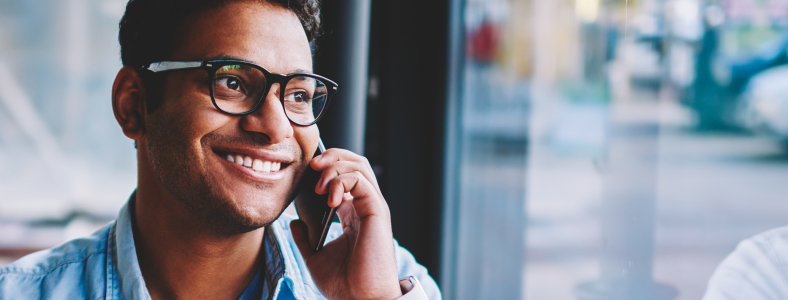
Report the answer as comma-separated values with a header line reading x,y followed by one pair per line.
x,y
231,83
297,97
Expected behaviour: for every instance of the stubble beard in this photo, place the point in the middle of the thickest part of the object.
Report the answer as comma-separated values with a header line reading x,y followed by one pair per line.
x,y
195,188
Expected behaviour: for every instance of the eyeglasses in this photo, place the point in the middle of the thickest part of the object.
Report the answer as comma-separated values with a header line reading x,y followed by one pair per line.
x,y
239,88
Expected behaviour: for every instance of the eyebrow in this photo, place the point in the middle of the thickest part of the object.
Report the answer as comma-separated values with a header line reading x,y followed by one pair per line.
x,y
225,56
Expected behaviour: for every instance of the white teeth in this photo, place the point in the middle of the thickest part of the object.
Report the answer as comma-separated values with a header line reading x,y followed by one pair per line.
x,y
257,165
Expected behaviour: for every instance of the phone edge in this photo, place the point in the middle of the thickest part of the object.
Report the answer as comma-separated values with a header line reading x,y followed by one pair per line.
x,y
326,226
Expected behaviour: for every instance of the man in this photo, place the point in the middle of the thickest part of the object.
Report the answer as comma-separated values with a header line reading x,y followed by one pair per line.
x,y
222,139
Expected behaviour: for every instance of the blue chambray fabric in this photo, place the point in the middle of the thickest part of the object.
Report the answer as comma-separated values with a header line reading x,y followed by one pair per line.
x,y
756,270
104,266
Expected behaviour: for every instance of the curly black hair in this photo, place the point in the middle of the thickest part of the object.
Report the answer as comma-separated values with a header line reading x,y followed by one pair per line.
x,y
148,29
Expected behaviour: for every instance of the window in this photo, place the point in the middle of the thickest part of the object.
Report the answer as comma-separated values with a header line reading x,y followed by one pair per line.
x,y
612,147
65,167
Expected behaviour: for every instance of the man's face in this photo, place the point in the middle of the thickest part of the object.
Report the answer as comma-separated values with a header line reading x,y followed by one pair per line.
x,y
188,139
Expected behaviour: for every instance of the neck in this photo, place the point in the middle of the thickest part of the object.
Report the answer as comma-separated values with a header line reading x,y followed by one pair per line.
x,y
181,259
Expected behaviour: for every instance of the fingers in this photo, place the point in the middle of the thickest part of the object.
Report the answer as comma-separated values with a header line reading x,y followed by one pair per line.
x,y
365,198
301,237
343,167
339,161
346,183
348,177
335,154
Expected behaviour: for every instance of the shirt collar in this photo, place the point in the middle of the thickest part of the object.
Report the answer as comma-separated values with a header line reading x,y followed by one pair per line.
x,y
130,283
273,264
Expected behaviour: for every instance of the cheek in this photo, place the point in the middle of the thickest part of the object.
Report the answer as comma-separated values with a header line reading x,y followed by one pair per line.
x,y
192,116
307,138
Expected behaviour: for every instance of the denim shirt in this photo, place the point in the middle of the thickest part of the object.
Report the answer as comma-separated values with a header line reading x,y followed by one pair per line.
x,y
104,266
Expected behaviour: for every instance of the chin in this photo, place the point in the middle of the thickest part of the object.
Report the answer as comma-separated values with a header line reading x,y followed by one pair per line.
x,y
229,217
261,213
257,205
245,210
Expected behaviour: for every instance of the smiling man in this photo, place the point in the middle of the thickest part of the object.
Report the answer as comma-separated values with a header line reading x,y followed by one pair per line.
x,y
221,103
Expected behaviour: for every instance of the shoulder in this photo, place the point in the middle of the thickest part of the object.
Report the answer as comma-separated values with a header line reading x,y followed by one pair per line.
x,y
773,239
62,269
74,251
756,269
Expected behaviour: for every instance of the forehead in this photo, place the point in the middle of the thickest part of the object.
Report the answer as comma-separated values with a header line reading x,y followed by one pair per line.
x,y
262,33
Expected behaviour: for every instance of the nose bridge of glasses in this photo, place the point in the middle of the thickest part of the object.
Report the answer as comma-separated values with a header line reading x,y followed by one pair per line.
x,y
274,90
276,81
272,98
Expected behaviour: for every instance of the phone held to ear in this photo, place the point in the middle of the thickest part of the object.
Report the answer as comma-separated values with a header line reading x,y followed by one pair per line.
x,y
312,208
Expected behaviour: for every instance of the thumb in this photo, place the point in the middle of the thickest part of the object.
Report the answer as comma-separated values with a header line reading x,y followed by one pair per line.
x,y
301,236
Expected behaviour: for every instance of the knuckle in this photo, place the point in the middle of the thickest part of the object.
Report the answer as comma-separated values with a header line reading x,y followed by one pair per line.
x,y
341,178
332,169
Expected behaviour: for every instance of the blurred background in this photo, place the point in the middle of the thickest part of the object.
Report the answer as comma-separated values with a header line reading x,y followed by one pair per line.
x,y
528,149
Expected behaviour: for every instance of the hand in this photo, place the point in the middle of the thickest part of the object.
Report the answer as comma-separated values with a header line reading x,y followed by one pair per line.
x,y
359,264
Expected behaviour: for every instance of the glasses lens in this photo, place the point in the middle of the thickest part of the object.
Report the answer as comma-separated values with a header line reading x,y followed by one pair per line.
x,y
237,88
304,99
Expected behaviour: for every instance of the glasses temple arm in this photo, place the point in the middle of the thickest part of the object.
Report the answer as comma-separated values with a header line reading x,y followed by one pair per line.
x,y
172,65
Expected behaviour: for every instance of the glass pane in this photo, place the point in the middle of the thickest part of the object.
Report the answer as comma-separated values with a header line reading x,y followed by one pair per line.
x,y
237,88
304,99
493,139
65,167
615,147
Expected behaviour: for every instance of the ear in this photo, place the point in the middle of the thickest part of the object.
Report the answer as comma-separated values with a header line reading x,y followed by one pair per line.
x,y
128,102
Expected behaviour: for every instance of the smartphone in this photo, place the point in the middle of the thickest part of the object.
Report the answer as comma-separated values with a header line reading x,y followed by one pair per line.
x,y
312,208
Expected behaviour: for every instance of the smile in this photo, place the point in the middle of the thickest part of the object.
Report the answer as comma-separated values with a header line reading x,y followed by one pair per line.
x,y
258,165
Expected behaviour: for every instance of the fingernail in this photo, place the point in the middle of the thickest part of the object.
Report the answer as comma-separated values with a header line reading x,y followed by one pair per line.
x,y
318,157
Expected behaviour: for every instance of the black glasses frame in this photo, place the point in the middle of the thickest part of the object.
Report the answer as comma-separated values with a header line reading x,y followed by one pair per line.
x,y
211,66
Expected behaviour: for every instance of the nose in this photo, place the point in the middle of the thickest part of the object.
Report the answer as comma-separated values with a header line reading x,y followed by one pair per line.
x,y
270,119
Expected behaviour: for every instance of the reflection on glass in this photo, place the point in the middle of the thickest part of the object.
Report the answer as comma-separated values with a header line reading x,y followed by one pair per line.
x,y
493,126
616,148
